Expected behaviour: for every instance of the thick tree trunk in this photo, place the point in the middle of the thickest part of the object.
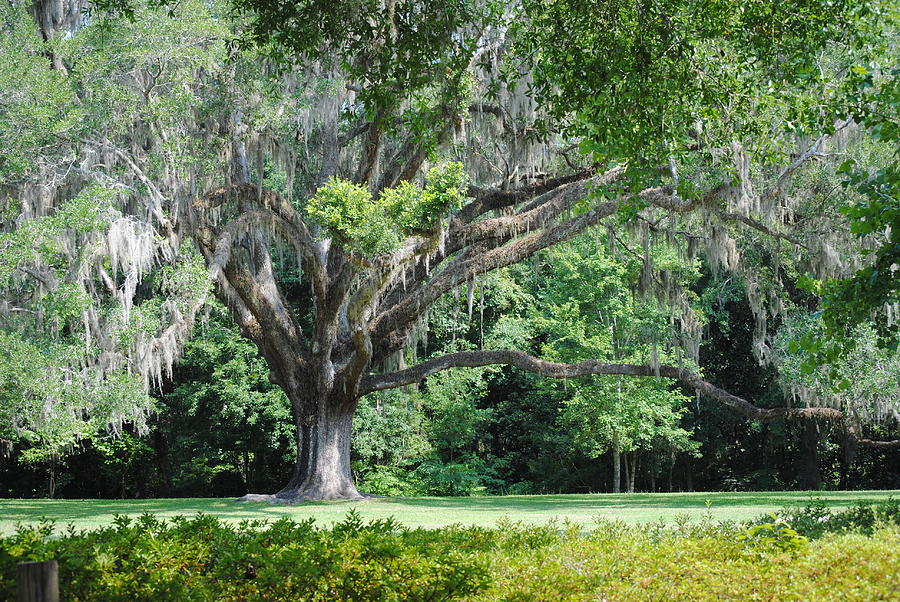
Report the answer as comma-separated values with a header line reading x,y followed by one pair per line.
x,y
617,471
322,469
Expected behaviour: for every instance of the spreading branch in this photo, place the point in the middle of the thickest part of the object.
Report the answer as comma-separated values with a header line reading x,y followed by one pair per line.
x,y
519,359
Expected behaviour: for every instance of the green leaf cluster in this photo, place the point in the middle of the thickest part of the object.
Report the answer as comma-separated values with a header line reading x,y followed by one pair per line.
x,y
203,558
374,226
645,81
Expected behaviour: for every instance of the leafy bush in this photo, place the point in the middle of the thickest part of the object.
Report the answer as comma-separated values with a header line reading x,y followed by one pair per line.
x,y
632,563
776,534
816,519
203,558
455,478
431,477
391,480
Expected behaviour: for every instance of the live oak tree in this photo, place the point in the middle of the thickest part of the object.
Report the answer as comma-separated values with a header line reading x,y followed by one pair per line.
x,y
339,167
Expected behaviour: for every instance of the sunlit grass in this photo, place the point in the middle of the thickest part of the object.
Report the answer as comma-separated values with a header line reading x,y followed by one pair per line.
x,y
432,512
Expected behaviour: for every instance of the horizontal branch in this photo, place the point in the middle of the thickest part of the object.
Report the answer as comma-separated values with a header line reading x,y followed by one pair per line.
x,y
541,211
893,444
509,357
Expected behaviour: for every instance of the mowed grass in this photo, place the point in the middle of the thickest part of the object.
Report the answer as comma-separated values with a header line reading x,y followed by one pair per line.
x,y
431,512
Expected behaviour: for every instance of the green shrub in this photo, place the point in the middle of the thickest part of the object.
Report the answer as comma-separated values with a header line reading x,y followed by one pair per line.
x,y
391,480
816,519
628,563
203,558
776,534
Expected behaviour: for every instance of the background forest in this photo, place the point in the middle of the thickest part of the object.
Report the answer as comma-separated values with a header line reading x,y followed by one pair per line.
x,y
733,214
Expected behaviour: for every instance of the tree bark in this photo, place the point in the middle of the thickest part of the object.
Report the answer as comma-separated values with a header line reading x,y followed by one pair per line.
x,y
849,450
630,470
617,471
688,474
322,470
323,421
810,476
672,459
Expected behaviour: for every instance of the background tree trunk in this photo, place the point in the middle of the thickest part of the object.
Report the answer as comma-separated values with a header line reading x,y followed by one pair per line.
x,y
629,470
671,470
631,465
810,475
617,470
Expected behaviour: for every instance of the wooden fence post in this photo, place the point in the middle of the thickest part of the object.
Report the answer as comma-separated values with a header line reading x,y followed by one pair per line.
x,y
37,581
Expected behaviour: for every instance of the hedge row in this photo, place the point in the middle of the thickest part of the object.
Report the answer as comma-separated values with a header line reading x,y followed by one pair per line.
x,y
853,554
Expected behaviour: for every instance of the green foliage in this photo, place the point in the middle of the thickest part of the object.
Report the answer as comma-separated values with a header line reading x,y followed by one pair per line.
x,y
587,311
864,382
776,534
456,479
47,408
647,81
202,558
392,49
816,519
375,226
229,427
349,213
390,430
617,562
37,107
40,240
390,481
872,94
414,210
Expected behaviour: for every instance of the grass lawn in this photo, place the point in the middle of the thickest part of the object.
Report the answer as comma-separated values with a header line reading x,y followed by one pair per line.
x,y
432,512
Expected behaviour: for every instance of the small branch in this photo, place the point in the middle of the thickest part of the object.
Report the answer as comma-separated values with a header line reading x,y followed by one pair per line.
x,y
155,194
749,221
490,199
810,153
345,139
